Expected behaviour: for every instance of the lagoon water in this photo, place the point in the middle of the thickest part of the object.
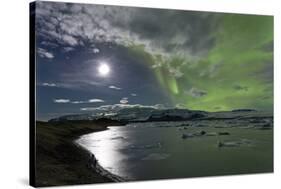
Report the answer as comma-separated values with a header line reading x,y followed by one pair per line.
x,y
142,151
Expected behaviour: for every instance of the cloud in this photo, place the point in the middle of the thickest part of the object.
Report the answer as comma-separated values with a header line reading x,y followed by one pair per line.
x,y
211,71
196,93
61,100
175,71
45,54
49,44
114,87
160,32
49,85
124,100
134,94
96,50
66,85
70,40
165,35
117,107
172,38
95,100
78,102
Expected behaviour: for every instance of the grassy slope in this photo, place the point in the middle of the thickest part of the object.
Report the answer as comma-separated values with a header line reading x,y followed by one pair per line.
x,y
58,160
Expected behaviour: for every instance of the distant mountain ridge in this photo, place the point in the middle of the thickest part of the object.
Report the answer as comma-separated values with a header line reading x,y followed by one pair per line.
x,y
142,114
135,114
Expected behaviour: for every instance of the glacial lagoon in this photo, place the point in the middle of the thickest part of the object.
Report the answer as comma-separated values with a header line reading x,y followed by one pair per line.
x,y
156,150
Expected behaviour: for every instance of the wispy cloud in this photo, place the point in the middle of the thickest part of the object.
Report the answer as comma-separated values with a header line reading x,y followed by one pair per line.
x,y
117,107
96,50
77,102
49,85
127,26
58,85
95,100
196,93
76,82
44,53
70,40
124,100
175,71
114,87
61,100
211,71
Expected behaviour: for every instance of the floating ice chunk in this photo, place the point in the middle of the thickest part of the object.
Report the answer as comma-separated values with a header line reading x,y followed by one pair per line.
x,y
238,143
212,134
228,144
188,135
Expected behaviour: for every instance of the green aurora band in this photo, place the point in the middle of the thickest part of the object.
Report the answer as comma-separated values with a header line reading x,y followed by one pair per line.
x,y
237,71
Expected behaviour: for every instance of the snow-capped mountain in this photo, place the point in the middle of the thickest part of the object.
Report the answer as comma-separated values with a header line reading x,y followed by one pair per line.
x,y
135,113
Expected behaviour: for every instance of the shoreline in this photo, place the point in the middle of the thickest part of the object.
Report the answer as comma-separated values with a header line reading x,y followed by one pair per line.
x,y
98,168
60,161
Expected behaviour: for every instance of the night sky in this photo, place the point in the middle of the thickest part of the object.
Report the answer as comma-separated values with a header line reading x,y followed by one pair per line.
x,y
92,57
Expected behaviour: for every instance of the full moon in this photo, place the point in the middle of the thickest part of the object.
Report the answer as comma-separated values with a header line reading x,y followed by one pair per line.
x,y
103,69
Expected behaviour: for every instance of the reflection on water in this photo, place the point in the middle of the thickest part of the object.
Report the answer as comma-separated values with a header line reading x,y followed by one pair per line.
x,y
107,146
155,150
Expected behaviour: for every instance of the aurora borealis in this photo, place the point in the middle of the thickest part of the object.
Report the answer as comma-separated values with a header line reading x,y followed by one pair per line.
x,y
186,59
236,72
